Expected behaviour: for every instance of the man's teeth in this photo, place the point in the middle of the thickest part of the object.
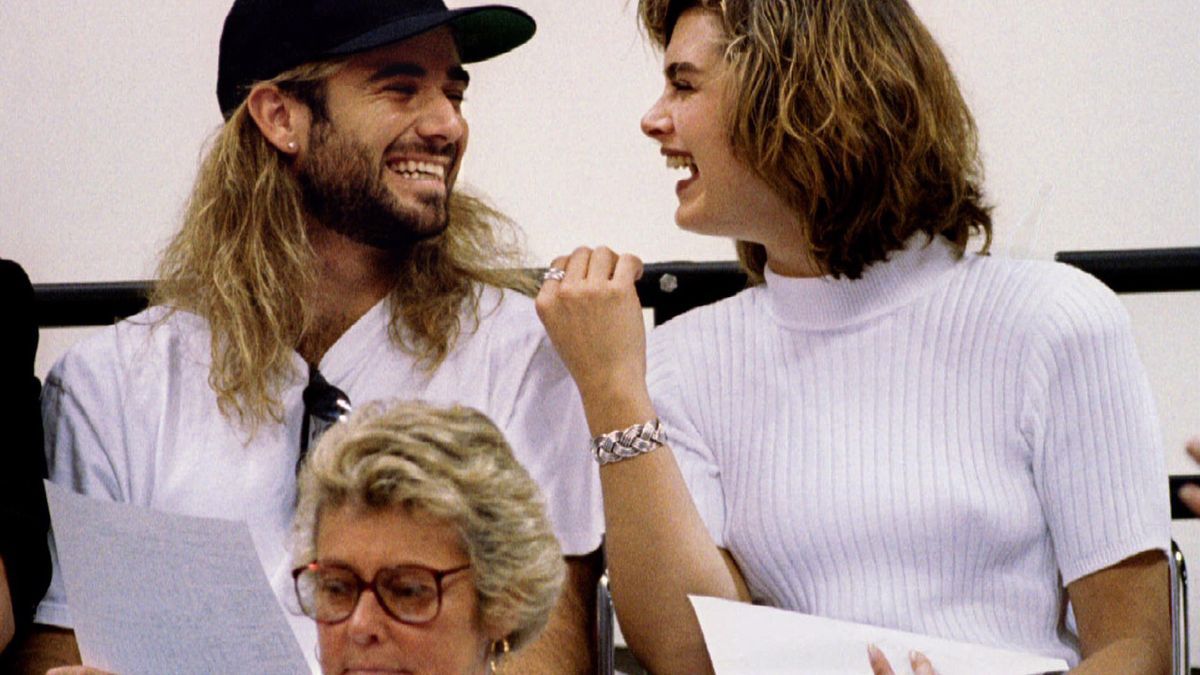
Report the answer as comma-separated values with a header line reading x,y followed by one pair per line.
x,y
418,170
680,162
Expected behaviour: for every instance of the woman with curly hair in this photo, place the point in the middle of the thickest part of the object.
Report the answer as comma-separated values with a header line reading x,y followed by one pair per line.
x,y
428,510
887,427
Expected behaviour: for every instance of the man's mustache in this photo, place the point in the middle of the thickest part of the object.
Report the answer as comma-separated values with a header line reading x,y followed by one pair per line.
x,y
449,150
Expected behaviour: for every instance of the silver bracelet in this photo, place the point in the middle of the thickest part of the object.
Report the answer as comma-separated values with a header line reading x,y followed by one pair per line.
x,y
625,443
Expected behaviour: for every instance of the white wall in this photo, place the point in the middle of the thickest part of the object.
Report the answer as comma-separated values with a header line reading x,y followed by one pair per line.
x,y
1089,114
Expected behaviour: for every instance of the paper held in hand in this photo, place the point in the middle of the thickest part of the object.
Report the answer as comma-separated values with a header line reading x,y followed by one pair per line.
x,y
154,592
745,639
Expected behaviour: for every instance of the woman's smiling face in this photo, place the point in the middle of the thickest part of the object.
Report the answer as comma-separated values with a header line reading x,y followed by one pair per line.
x,y
690,120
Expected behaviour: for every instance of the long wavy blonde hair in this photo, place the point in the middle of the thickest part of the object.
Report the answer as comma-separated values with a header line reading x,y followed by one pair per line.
x,y
242,258
849,111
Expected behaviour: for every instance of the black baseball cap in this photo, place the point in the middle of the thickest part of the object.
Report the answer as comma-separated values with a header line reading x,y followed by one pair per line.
x,y
263,38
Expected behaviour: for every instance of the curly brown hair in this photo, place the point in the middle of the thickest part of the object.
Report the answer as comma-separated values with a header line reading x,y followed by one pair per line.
x,y
242,257
850,112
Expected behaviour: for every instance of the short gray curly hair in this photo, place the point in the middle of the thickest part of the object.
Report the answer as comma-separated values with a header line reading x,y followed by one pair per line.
x,y
454,464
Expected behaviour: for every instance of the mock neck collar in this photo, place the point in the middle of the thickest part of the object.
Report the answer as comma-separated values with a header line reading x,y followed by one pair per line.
x,y
822,303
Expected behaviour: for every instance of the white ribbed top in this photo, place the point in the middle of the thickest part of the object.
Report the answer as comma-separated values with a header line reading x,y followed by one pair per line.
x,y
927,448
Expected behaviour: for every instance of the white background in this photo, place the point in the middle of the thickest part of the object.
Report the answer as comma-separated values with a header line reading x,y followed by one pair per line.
x,y
1089,115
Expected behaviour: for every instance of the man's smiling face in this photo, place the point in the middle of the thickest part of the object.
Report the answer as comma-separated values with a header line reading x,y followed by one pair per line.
x,y
383,158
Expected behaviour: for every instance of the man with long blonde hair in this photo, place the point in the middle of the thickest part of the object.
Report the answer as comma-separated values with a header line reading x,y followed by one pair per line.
x,y
325,258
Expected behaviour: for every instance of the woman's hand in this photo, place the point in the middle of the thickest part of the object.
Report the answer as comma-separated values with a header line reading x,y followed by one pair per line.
x,y
77,670
1190,494
917,661
594,319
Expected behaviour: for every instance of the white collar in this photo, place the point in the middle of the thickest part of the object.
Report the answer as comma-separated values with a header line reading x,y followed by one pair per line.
x,y
824,303
371,329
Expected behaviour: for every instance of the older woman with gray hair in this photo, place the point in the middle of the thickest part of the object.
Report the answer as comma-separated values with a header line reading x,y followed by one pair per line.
x,y
427,509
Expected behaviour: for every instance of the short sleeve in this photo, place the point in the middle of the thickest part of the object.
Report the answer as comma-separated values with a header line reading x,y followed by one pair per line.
x,y
1089,417
696,459
81,409
548,432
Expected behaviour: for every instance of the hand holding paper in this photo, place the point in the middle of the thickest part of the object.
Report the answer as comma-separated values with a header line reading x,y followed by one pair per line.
x,y
748,639
154,592
881,666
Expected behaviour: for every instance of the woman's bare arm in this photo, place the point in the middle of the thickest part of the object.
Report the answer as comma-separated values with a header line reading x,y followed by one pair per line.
x,y
659,550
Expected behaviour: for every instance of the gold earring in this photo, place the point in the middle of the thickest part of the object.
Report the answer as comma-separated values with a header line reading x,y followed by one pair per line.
x,y
499,653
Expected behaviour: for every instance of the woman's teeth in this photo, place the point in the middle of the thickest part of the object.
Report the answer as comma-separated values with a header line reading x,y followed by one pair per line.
x,y
680,162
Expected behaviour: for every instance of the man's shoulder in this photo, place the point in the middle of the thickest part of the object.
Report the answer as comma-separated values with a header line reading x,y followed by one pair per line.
x,y
145,340
495,299
505,314
503,334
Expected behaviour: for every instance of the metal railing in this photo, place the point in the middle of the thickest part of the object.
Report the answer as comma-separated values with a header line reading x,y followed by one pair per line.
x,y
668,288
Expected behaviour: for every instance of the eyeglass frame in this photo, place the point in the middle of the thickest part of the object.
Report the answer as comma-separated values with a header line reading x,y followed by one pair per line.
x,y
361,585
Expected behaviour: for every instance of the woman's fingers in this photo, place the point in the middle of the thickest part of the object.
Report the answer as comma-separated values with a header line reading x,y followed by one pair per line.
x,y
553,275
1190,495
628,269
920,664
594,320
559,263
601,264
596,265
577,264
879,662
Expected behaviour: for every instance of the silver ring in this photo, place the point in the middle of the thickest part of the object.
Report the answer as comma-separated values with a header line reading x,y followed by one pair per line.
x,y
553,274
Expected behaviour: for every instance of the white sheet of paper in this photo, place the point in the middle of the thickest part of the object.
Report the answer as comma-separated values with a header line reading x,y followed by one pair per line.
x,y
745,639
154,592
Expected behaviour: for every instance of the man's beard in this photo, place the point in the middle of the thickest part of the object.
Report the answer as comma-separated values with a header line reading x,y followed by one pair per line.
x,y
343,190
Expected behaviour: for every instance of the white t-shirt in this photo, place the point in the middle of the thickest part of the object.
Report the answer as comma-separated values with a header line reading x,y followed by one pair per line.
x,y
938,447
130,417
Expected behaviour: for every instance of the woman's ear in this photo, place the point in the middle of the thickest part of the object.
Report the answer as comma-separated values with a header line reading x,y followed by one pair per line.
x,y
283,120
498,630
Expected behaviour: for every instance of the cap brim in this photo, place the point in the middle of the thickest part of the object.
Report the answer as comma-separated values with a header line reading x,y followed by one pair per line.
x,y
484,32
480,32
